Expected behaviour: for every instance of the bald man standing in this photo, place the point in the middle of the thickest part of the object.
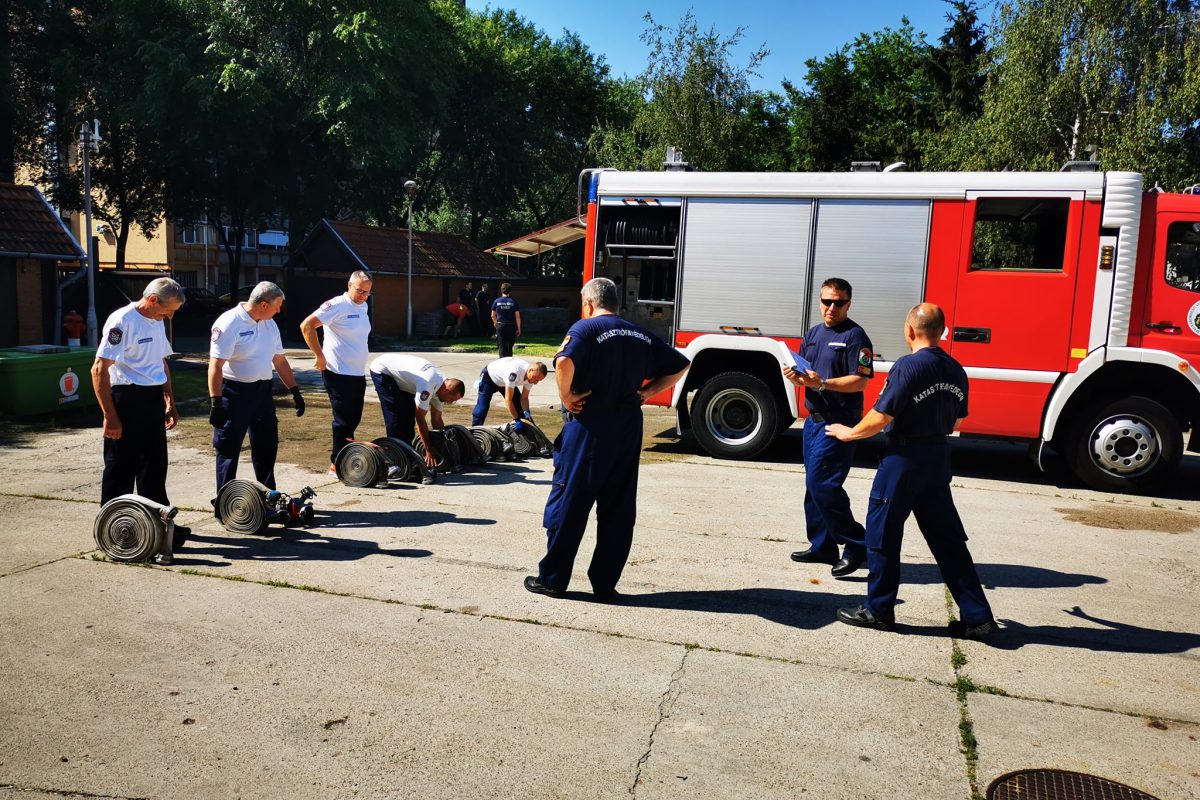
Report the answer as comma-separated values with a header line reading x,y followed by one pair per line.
x,y
922,403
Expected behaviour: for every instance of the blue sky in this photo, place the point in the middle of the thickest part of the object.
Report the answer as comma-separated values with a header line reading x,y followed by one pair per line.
x,y
793,31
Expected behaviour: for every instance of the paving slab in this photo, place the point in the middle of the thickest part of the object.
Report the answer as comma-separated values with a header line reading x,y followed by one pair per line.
x,y
140,682
37,531
1161,758
735,727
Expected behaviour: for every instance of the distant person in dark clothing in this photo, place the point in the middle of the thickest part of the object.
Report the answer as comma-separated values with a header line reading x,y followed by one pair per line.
x,y
466,297
483,308
506,316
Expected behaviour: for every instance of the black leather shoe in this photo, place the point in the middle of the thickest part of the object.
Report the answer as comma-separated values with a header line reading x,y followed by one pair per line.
x,y
846,566
982,630
861,617
811,556
537,587
182,532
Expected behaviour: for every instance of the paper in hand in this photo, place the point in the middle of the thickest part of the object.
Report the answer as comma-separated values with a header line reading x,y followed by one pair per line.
x,y
799,363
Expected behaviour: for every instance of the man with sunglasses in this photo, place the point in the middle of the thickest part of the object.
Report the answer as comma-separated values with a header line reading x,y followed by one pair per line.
x,y
841,355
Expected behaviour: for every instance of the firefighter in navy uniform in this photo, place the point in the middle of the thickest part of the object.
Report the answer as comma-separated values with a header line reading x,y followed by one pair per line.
x,y
506,319
245,349
599,370
133,386
923,401
841,357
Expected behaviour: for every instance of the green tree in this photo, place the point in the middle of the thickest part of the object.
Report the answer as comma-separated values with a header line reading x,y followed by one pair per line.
x,y
1068,79
871,100
698,98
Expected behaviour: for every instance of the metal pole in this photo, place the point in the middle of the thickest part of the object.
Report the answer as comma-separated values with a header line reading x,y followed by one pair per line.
x,y
85,141
410,187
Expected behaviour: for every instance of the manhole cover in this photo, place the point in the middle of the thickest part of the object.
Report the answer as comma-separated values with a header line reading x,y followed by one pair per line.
x,y
1057,784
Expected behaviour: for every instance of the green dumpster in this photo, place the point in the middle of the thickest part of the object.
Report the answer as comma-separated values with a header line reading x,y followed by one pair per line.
x,y
43,378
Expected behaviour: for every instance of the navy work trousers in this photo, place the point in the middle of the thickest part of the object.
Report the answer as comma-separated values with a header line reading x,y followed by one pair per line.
x,y
140,455
398,406
506,336
250,407
346,393
487,388
915,479
827,511
595,463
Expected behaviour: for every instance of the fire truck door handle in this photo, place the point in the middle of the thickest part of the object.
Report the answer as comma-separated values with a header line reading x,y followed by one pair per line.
x,y
1165,327
977,335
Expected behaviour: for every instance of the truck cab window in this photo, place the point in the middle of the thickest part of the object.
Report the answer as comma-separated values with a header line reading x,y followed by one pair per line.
x,y
1183,256
1027,233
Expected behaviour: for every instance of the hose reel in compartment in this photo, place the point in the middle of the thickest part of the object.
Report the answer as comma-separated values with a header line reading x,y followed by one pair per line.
x,y
640,244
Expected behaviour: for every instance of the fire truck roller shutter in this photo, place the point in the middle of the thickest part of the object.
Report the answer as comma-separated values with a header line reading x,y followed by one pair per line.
x,y
745,263
881,247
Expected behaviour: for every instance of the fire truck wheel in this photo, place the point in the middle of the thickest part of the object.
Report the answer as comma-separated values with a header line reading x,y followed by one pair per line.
x,y
734,415
1125,445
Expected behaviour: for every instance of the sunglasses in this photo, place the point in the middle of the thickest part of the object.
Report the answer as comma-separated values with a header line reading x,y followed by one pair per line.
x,y
828,301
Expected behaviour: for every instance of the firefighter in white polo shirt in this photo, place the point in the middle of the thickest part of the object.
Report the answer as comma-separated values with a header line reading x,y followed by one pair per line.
x,y
246,348
342,360
514,376
411,388
133,387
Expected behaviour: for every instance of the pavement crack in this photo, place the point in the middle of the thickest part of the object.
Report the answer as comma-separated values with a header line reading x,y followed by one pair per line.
x,y
28,567
665,704
67,792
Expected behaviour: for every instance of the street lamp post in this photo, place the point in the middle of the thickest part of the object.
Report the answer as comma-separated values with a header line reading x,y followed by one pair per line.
x,y
410,188
88,140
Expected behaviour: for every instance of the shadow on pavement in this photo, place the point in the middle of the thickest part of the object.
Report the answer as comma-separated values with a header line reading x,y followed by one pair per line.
x,y
290,546
1116,637
415,518
992,576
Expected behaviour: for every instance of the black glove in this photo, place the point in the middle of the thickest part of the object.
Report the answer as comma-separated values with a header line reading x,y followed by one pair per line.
x,y
217,415
298,399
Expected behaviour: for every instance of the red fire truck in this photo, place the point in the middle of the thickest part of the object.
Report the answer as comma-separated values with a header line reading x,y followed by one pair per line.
x,y
1072,298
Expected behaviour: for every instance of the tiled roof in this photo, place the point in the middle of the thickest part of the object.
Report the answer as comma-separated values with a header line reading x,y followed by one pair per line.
x,y
30,228
443,255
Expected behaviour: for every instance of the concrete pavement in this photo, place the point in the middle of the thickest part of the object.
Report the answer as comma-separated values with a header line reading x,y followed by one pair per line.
x,y
391,651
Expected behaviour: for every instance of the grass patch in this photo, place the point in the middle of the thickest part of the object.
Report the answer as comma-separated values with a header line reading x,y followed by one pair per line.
x,y
533,345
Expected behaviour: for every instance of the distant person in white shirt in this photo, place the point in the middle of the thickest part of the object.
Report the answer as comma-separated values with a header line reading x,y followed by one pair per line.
x,y
411,388
515,377
342,360
245,349
133,386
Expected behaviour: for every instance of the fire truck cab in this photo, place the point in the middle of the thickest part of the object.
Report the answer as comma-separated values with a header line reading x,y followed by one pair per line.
x,y
1071,298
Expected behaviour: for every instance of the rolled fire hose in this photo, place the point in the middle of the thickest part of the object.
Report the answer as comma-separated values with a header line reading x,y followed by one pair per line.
x,y
134,528
362,464
242,506
401,454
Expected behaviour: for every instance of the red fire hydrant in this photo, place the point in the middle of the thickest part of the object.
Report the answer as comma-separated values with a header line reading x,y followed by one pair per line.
x,y
74,325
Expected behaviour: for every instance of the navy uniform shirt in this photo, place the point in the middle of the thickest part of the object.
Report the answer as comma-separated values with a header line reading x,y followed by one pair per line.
x,y
926,392
836,352
612,358
506,309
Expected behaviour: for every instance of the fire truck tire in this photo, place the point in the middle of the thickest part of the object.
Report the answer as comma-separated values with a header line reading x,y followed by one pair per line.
x,y
1125,445
735,416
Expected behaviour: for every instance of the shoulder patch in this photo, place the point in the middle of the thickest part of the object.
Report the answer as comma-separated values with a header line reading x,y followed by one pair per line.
x,y
512,376
326,304
425,395
864,357
115,336
216,334
564,344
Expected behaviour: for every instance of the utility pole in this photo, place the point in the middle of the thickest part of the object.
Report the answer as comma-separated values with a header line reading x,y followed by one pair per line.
x,y
89,139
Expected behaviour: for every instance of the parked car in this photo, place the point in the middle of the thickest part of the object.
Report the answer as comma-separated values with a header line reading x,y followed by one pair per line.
x,y
199,301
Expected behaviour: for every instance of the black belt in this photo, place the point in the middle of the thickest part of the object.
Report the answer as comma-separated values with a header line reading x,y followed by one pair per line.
x,y
826,418
247,383
903,440
139,387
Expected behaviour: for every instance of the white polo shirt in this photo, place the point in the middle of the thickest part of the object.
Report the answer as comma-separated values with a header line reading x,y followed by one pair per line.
x,y
346,329
137,346
511,371
248,347
412,374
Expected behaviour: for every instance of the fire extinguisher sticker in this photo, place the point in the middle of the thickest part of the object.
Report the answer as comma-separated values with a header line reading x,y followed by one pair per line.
x,y
1194,318
68,384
